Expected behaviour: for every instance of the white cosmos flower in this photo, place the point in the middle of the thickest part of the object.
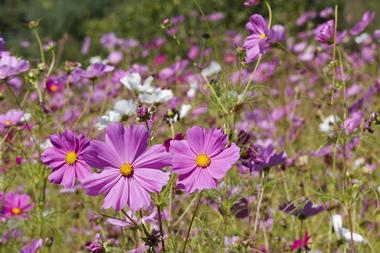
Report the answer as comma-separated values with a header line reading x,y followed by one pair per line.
x,y
344,233
192,90
97,59
125,107
46,144
27,116
327,125
185,109
157,96
109,117
212,69
133,82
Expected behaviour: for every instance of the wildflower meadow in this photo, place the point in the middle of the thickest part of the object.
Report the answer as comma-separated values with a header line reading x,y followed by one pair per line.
x,y
190,126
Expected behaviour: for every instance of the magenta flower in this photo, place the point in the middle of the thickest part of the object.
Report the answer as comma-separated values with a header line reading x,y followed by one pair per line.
x,y
94,71
366,20
66,158
202,158
32,247
11,118
302,243
130,170
324,33
16,205
249,3
257,43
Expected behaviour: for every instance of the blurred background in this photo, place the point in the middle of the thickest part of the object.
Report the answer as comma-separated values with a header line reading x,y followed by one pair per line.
x,y
68,22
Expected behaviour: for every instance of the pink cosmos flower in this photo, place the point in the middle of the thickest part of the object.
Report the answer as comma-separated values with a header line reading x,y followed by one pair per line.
x,y
257,42
130,170
16,205
202,158
32,247
11,118
66,158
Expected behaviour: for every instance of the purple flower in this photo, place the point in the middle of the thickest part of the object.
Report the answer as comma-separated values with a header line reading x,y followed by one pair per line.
x,y
11,66
249,3
367,19
11,118
302,211
109,40
353,122
32,247
16,205
259,158
86,45
277,33
2,44
257,42
240,208
66,158
94,71
202,158
324,33
130,170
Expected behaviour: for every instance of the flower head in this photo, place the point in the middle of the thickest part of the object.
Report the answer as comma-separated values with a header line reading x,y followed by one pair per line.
x,y
130,170
324,33
16,205
202,158
257,42
366,20
11,66
302,211
32,247
65,158
11,118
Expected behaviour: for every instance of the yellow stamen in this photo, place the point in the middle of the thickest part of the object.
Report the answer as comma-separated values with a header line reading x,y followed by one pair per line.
x,y
16,210
126,169
54,87
203,160
71,157
8,122
263,36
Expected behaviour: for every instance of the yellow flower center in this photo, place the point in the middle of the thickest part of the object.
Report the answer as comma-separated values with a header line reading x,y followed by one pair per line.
x,y
71,157
8,122
263,36
203,160
16,210
54,87
126,169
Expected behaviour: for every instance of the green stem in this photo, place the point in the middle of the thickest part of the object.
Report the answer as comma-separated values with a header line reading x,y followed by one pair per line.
x,y
191,223
42,55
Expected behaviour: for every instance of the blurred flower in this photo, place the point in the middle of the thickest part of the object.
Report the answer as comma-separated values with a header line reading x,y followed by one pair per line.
x,y
344,233
184,110
302,244
212,69
251,2
94,71
32,247
324,33
202,158
366,20
259,158
11,66
66,158
2,44
353,122
277,33
86,45
16,205
110,116
133,82
130,170
327,124
125,107
156,96
11,118
303,210
257,42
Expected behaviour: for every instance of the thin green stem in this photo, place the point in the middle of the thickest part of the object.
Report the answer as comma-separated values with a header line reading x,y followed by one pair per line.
x,y
191,223
42,55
